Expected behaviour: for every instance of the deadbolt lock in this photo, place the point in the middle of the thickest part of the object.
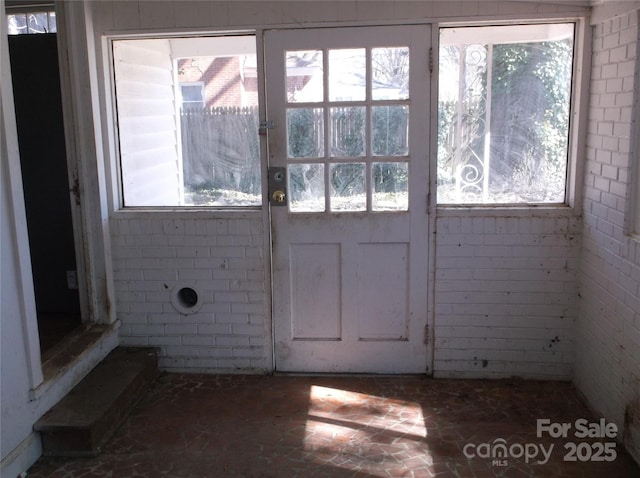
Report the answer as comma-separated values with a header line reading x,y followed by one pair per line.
x,y
278,186
278,196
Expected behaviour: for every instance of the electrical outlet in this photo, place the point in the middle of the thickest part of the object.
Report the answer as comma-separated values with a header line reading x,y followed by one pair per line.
x,y
72,279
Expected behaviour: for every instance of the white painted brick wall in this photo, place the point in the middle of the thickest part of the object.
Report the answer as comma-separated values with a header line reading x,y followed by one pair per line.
x,y
505,296
222,259
184,14
608,339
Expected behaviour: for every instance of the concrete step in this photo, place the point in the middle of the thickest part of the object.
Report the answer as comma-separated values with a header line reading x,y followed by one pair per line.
x,y
83,421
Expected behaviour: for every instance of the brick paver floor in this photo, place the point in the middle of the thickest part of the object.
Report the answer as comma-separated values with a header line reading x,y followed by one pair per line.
x,y
353,426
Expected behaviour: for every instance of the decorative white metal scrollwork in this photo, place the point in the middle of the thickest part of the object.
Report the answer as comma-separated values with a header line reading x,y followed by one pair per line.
x,y
468,136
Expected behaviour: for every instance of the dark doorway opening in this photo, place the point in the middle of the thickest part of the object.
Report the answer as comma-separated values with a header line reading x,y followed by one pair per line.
x,y
38,103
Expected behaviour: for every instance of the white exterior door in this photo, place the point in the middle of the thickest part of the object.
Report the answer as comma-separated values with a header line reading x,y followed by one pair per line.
x,y
350,113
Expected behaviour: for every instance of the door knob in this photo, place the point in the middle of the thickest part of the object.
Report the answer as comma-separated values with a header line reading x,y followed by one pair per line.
x,y
278,196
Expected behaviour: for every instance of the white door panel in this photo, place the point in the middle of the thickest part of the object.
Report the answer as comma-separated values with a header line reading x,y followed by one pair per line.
x,y
383,291
315,291
350,109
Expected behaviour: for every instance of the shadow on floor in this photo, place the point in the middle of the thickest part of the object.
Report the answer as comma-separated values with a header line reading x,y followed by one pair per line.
x,y
317,426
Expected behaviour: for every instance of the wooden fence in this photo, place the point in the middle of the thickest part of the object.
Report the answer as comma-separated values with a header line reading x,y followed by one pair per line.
x,y
220,148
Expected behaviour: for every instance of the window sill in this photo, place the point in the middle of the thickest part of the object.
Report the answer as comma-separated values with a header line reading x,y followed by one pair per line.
x,y
556,210
190,212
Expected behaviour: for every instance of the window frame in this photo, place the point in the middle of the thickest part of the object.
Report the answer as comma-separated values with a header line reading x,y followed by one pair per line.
x,y
577,130
115,170
192,83
13,10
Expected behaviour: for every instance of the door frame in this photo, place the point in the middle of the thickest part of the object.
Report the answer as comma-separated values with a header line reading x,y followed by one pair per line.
x,y
87,195
87,179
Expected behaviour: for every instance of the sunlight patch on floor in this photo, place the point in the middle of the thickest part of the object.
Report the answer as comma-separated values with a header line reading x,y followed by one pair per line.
x,y
351,429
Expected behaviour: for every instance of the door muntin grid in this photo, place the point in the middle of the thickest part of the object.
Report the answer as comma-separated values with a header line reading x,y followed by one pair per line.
x,y
347,118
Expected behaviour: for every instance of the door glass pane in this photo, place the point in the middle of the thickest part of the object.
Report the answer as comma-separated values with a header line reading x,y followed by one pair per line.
x,y
390,186
306,188
347,132
347,75
390,72
304,76
348,191
305,133
390,130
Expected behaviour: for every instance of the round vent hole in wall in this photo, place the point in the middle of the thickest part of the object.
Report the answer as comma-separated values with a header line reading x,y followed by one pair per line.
x,y
185,299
